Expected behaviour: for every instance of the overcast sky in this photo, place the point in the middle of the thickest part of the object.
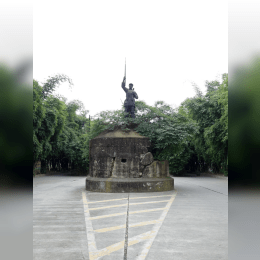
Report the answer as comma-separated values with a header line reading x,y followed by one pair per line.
x,y
167,46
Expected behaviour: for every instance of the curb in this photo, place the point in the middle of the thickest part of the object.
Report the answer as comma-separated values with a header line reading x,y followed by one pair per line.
x,y
214,176
39,175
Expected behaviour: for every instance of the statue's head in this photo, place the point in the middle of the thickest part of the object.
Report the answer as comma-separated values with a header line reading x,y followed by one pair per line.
x,y
130,86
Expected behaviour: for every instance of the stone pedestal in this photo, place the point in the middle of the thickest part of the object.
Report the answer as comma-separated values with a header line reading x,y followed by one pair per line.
x,y
120,162
120,185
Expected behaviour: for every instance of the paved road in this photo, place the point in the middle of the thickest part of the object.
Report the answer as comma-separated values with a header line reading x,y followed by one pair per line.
x,y
190,222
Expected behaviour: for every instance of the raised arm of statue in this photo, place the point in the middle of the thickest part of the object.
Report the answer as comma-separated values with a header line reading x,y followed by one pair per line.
x,y
135,95
123,85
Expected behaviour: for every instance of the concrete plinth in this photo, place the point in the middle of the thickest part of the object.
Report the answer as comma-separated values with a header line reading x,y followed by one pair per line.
x,y
120,162
121,185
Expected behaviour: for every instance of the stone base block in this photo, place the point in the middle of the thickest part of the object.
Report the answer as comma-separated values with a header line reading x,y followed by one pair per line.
x,y
120,185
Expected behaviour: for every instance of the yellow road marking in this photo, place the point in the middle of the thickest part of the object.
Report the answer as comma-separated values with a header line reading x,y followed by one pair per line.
x,y
115,247
148,202
134,198
141,237
124,213
145,223
102,230
121,205
107,207
106,251
95,254
107,216
145,210
105,200
155,230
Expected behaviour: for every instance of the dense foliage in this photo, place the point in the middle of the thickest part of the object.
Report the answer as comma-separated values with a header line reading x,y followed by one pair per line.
x,y
192,138
210,113
58,135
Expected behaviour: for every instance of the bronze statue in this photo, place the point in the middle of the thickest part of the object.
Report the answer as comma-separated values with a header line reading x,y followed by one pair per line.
x,y
129,103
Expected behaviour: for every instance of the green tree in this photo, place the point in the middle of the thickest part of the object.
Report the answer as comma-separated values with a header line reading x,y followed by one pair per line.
x,y
49,119
210,112
38,116
192,135
52,83
168,130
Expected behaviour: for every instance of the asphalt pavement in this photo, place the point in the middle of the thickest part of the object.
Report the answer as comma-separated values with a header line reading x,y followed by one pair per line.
x,y
190,222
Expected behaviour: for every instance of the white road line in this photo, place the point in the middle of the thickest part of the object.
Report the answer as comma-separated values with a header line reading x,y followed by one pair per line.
x,y
90,233
95,254
115,247
155,230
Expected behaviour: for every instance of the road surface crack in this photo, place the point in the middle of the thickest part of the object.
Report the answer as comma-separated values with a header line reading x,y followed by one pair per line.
x,y
126,231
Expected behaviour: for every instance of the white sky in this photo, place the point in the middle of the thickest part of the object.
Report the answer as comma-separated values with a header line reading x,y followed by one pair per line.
x,y
167,45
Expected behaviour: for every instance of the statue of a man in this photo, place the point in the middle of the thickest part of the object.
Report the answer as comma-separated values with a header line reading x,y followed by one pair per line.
x,y
129,103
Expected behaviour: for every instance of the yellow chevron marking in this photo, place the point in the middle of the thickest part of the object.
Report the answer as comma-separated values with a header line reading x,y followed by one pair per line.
x,y
105,200
156,227
115,247
121,205
149,236
102,230
124,213
134,198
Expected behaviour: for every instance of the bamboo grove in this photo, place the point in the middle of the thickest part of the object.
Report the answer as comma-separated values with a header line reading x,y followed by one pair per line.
x,y
192,137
